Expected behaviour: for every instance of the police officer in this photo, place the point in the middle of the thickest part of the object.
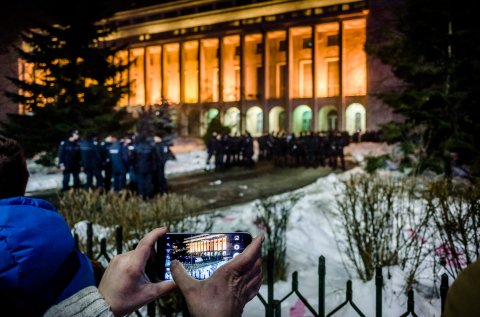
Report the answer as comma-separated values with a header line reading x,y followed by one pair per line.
x,y
91,161
248,150
210,149
69,160
162,153
143,156
106,164
119,161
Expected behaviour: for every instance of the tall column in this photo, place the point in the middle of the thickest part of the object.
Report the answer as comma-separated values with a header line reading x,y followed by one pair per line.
x,y
263,86
220,71
162,73
341,97
128,77
182,70
145,77
182,117
288,101
199,75
243,115
314,81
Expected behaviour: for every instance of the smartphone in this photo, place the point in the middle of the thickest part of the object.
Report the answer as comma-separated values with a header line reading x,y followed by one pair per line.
x,y
200,253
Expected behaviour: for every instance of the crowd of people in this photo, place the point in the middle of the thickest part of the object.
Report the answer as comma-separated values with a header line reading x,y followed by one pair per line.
x,y
229,151
308,149
284,150
107,163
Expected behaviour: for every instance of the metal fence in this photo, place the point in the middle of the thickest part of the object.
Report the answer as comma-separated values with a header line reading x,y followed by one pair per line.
x,y
272,305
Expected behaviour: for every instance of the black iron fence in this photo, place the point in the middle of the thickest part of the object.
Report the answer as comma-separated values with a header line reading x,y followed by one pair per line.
x,y
272,305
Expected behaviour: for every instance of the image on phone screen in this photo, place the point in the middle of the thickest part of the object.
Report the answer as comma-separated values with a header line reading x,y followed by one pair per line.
x,y
200,253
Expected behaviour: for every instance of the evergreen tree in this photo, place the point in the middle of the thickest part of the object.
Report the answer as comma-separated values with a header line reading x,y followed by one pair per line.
x,y
74,86
215,126
156,120
434,51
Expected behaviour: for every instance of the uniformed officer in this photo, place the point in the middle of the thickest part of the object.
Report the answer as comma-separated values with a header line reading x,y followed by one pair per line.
x,y
69,160
210,149
91,161
119,161
143,156
161,156
106,164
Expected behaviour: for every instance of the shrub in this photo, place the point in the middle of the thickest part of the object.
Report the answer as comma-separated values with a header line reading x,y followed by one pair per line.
x,y
135,215
375,162
272,217
453,209
374,211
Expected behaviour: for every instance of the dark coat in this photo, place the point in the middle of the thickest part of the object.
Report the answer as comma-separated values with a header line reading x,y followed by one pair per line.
x,y
143,156
90,154
69,156
118,156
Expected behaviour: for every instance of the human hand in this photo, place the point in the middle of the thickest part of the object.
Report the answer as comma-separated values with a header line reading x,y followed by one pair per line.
x,y
125,286
227,291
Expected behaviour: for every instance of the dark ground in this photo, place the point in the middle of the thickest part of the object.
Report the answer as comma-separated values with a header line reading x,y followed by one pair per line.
x,y
239,184
236,185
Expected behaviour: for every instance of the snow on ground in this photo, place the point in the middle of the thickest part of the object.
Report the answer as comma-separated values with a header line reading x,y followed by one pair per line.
x,y
313,230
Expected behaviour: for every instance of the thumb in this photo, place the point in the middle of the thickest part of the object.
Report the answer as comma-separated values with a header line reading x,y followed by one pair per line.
x,y
181,277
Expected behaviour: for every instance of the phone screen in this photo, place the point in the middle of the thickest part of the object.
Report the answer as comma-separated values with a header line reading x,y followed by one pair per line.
x,y
200,253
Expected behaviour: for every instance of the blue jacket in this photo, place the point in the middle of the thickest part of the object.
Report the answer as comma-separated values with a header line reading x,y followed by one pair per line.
x,y
38,259
69,156
90,154
118,156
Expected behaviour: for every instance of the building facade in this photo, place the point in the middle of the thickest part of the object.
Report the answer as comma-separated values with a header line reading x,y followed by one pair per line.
x,y
260,65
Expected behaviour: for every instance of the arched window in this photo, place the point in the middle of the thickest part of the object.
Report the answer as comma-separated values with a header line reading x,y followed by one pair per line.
x,y
332,119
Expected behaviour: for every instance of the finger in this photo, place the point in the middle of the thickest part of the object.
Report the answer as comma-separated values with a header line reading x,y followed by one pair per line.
x,y
144,247
181,277
247,258
254,285
156,290
253,270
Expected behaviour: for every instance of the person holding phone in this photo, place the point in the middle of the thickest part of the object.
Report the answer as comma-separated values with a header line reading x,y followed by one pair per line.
x,y
41,272
125,286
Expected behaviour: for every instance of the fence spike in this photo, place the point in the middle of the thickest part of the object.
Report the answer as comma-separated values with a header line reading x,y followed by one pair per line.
x,y
75,238
270,281
119,239
321,286
90,240
295,281
349,290
411,302
378,288
444,290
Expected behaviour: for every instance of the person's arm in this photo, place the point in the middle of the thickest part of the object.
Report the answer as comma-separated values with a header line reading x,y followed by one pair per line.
x,y
227,291
123,289
125,286
87,302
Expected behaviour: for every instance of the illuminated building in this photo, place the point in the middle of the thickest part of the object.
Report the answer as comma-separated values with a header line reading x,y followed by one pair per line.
x,y
261,65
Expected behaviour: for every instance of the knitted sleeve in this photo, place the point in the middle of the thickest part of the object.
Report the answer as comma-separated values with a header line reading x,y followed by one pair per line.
x,y
86,303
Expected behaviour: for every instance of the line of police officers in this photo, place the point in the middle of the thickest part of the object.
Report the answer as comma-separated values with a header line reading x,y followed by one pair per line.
x,y
229,151
142,158
308,149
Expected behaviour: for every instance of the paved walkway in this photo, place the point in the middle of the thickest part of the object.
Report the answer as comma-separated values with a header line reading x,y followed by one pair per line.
x,y
238,184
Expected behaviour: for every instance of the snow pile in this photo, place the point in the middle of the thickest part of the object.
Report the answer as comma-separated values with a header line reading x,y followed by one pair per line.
x,y
358,151
314,230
